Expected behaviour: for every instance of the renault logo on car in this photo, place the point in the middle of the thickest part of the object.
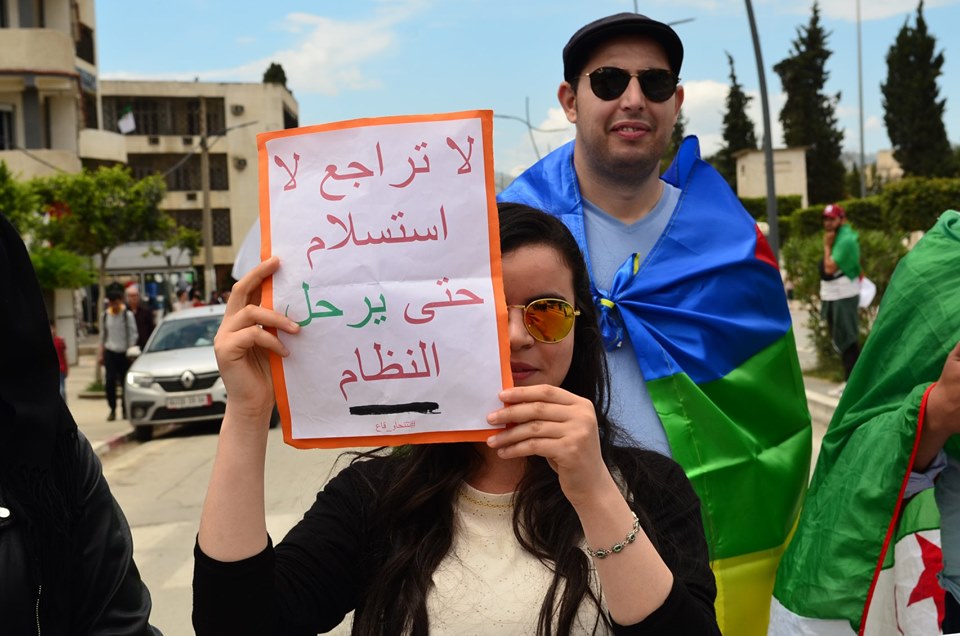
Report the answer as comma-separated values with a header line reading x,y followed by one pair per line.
x,y
187,379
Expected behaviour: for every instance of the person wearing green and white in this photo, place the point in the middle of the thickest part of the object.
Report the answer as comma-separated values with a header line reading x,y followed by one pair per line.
x,y
883,506
840,285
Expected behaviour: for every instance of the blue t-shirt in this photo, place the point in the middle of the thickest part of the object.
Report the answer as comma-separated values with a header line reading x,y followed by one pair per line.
x,y
610,242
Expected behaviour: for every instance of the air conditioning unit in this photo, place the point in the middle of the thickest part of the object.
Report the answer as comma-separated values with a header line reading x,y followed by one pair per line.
x,y
191,196
187,141
239,163
237,109
153,141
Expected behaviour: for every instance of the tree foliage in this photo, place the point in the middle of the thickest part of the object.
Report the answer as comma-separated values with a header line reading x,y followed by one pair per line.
x,y
738,130
853,182
676,138
94,212
275,75
809,114
17,201
55,266
913,113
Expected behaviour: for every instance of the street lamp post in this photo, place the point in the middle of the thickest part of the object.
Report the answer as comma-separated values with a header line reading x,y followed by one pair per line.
x,y
209,274
863,167
773,235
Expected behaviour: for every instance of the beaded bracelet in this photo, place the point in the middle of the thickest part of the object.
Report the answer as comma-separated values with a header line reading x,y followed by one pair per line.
x,y
617,547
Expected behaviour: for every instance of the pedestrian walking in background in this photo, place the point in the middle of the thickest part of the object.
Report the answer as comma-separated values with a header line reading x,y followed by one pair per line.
x,y
142,313
117,335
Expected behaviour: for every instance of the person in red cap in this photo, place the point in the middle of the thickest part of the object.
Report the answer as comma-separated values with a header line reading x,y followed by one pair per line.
x,y
840,285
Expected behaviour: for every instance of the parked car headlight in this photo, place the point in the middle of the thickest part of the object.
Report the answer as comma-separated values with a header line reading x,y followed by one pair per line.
x,y
138,378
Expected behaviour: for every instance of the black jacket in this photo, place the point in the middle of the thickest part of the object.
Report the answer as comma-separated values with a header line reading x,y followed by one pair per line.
x,y
66,555
106,594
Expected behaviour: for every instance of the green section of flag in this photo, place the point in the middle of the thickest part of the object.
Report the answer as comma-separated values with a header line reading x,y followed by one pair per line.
x,y
864,459
748,459
920,513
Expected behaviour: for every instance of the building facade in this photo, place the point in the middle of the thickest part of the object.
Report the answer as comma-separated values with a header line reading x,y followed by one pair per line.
x,y
57,116
789,173
49,112
166,139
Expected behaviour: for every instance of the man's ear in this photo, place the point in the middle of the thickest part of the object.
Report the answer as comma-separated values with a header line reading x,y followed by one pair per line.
x,y
568,101
678,102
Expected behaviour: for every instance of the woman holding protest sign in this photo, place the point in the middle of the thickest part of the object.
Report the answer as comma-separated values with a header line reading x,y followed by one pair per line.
x,y
546,528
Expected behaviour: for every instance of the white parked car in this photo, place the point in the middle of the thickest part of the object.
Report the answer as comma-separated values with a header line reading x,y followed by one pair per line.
x,y
175,379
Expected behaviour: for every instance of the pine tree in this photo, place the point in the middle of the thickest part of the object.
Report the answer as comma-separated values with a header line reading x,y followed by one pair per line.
x,y
676,138
913,113
853,182
809,115
275,75
738,131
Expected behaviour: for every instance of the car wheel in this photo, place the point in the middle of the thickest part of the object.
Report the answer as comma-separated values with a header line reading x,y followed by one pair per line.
x,y
143,433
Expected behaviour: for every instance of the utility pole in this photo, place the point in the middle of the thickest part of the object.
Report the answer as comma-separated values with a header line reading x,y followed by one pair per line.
x,y
863,167
774,231
209,276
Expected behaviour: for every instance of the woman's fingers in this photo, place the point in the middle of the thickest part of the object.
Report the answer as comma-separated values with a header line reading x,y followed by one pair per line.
x,y
246,291
256,315
251,337
541,415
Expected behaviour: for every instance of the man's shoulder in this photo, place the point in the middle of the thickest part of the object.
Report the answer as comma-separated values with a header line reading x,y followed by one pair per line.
x,y
546,183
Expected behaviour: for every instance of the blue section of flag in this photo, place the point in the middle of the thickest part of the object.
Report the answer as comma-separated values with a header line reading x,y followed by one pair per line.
x,y
701,303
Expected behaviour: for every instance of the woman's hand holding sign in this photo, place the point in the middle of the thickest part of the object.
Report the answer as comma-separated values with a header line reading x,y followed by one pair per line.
x,y
232,525
244,341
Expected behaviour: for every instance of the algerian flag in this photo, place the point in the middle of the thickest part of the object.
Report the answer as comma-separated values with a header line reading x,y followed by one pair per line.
x,y
126,124
864,560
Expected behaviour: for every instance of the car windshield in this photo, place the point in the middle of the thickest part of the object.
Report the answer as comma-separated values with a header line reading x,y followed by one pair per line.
x,y
185,334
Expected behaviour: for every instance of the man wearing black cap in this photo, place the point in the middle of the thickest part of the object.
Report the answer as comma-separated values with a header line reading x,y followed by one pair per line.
x,y
702,359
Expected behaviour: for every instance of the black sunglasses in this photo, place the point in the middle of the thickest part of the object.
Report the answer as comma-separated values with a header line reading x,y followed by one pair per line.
x,y
609,82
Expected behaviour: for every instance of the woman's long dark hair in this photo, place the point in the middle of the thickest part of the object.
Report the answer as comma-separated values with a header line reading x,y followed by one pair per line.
x,y
418,506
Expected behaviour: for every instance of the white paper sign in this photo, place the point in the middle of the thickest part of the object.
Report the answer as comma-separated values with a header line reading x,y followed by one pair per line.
x,y
386,230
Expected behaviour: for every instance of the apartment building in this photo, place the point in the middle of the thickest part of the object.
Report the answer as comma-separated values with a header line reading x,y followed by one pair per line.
x,y
49,114
56,115
166,139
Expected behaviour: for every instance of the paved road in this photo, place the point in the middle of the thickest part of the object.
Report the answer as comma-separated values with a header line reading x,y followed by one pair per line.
x,y
160,486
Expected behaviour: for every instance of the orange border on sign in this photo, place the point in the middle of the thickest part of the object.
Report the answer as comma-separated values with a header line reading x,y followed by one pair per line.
x,y
496,274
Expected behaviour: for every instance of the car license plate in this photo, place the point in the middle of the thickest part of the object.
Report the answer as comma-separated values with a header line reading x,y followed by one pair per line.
x,y
189,401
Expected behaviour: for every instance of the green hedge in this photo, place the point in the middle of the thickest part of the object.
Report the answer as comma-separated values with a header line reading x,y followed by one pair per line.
x,y
868,213
902,207
757,206
916,203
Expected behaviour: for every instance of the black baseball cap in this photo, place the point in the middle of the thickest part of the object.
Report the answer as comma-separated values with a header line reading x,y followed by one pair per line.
x,y
584,41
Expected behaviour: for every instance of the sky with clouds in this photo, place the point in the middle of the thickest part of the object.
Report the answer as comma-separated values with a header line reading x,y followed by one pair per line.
x,y
369,58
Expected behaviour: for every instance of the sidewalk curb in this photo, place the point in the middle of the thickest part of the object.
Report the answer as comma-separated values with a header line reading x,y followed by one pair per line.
x,y
104,447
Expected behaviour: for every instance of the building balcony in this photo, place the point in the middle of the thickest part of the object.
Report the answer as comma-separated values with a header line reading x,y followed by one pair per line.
x,y
37,51
143,144
103,145
40,162
193,200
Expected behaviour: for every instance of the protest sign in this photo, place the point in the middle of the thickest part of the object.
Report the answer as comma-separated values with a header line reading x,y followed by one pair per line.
x,y
389,245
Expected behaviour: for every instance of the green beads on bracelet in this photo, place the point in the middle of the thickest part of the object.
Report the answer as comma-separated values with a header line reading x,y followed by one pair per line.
x,y
617,547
